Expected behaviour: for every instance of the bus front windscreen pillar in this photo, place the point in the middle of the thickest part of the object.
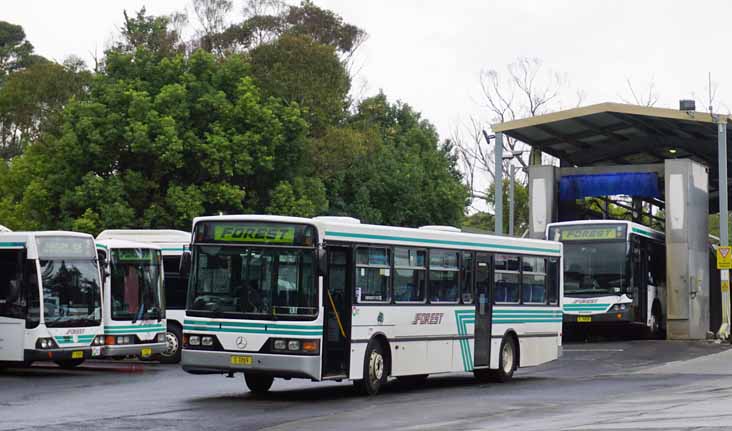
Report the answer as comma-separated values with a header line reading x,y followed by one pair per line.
x,y
687,256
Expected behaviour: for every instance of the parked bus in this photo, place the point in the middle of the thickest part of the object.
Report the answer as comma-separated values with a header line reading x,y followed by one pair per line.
x,y
134,307
4,229
614,273
329,298
50,298
172,243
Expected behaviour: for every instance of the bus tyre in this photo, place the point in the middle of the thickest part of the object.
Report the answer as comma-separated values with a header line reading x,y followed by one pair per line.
x,y
68,364
374,369
258,383
174,339
507,360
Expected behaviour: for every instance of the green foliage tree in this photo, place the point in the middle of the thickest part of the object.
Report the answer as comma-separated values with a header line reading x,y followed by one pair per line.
x,y
400,175
16,52
157,143
32,99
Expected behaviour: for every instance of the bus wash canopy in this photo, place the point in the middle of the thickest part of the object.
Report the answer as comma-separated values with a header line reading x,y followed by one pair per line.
x,y
634,184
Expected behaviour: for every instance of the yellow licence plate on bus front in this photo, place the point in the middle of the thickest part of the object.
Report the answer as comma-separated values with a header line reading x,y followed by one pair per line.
x,y
584,318
241,360
77,355
145,352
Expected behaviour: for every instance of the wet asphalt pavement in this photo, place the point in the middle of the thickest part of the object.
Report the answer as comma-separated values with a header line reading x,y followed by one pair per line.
x,y
604,385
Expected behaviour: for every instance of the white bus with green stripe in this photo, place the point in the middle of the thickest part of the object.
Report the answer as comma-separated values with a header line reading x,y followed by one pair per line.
x,y
171,243
614,274
330,298
134,305
50,298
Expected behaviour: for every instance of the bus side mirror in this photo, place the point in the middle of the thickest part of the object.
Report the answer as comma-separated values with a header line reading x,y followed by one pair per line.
x,y
185,263
322,262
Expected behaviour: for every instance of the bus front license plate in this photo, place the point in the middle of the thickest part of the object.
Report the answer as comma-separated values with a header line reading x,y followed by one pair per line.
x,y
584,319
241,360
77,355
145,352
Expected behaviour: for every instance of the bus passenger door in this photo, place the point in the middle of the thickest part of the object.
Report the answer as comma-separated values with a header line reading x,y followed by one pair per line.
x,y
12,305
337,312
483,309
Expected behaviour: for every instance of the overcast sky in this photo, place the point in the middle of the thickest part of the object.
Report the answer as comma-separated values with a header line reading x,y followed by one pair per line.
x,y
430,54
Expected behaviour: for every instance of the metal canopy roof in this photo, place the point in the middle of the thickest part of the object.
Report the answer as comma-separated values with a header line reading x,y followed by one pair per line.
x,y
620,134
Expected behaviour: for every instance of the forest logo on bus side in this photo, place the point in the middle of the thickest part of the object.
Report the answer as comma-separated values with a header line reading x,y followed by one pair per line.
x,y
427,319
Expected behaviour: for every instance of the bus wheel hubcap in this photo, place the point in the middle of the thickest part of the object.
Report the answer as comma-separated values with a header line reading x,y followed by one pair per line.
x,y
507,358
376,367
172,341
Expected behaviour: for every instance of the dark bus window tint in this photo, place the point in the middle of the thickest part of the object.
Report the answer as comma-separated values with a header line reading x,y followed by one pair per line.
x,y
507,285
34,301
409,278
175,286
553,284
12,300
467,278
444,276
373,271
533,280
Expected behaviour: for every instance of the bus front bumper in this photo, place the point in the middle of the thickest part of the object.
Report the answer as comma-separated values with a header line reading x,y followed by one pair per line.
x,y
62,354
142,350
610,317
217,362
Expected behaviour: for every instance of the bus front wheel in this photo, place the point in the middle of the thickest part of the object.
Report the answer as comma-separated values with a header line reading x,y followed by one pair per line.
x,y
258,383
174,340
374,369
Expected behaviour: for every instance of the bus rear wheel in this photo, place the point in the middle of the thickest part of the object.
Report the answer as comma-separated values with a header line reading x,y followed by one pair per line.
x,y
258,383
374,369
68,364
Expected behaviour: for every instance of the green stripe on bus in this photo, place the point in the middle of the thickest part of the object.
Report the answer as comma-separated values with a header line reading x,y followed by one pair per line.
x,y
102,246
648,233
153,325
440,241
12,244
251,331
131,331
252,325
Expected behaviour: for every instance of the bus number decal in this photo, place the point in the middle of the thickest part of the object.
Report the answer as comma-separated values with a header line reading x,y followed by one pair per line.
x,y
427,319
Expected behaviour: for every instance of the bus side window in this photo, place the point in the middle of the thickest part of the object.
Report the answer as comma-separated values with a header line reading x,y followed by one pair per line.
x,y
373,272
533,280
12,300
467,278
507,284
553,280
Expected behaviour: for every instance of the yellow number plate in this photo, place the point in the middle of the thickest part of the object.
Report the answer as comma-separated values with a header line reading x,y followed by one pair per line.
x,y
145,352
77,355
241,360
584,318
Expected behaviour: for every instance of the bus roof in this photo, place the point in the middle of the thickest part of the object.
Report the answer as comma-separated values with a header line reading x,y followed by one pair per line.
x,y
26,240
171,242
121,243
350,230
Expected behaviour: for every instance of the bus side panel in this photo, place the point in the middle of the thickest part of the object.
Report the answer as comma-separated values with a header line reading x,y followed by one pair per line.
x,y
12,337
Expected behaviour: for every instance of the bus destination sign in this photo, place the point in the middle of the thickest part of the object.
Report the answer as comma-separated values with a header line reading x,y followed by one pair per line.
x,y
255,234
591,233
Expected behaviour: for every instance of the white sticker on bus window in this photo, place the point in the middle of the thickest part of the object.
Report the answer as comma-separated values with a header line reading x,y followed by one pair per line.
x,y
358,294
363,272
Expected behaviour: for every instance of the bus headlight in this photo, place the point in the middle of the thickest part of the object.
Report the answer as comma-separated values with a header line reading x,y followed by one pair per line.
x,y
207,341
279,344
293,345
125,339
161,338
45,343
98,340
194,340
619,307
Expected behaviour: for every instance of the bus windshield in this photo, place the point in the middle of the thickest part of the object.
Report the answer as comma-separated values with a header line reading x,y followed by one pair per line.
x,y
261,282
136,285
595,267
71,294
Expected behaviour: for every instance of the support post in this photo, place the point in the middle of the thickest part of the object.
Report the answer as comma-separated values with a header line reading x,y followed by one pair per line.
x,y
723,219
511,207
499,184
